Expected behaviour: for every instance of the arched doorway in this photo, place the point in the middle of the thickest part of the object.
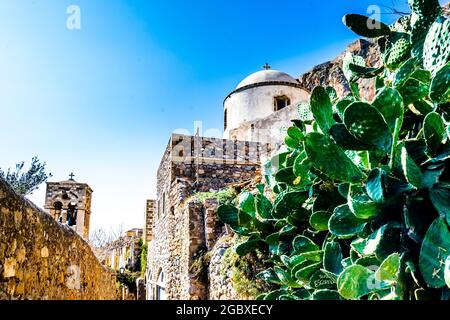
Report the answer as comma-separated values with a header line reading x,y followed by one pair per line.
x,y
149,285
160,292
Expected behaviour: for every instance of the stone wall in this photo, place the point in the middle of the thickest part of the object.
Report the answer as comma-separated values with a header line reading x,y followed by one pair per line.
x,y
179,239
191,253
270,129
41,259
165,254
182,227
193,231
219,280
150,208
213,226
211,164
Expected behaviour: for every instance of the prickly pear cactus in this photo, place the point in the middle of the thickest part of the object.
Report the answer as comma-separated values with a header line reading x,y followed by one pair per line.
x,y
365,26
424,7
436,50
351,188
424,13
399,52
403,24
352,60
419,32
440,86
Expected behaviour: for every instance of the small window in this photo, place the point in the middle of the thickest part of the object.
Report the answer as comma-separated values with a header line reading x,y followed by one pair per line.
x,y
164,204
281,103
225,119
159,209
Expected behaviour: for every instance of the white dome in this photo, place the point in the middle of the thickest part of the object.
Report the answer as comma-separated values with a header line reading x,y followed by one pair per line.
x,y
266,76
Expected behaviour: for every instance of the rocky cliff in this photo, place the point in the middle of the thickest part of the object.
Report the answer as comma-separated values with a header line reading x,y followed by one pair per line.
x,y
330,73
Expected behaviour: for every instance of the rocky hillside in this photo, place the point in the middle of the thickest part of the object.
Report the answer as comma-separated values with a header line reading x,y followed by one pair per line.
x,y
330,73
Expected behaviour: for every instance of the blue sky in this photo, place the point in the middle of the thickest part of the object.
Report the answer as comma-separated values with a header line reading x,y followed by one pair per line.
x,y
102,101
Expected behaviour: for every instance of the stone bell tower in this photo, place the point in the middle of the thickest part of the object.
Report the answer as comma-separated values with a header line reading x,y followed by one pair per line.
x,y
69,203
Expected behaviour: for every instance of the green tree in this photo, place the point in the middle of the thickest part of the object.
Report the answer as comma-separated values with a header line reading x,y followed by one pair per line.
x,y
26,182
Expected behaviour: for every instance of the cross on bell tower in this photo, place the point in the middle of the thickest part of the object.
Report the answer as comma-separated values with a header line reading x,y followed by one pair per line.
x,y
267,66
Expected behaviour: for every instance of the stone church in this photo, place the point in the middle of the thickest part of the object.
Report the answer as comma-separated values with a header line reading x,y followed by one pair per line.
x,y
254,112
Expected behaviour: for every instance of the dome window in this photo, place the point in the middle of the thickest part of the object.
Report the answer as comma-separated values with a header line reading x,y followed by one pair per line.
x,y
225,119
281,102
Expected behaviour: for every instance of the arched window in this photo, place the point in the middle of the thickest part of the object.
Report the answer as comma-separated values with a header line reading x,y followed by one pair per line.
x,y
149,285
160,293
72,215
57,210
281,102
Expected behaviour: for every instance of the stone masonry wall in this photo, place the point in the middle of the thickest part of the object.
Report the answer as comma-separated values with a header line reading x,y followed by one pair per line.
x,y
182,228
220,281
173,251
270,129
214,163
165,250
214,228
41,259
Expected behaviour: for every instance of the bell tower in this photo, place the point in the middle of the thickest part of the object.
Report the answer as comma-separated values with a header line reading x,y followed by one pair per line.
x,y
69,203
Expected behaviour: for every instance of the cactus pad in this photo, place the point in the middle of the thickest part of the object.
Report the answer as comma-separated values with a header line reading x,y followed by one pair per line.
x,y
320,150
367,124
351,59
424,7
321,108
436,52
399,52
440,86
366,27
